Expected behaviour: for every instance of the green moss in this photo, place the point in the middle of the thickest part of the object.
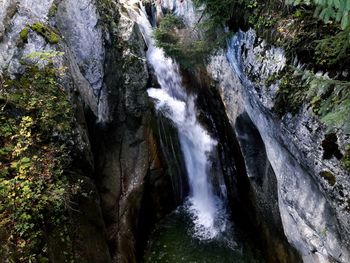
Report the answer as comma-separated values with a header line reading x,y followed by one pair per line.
x,y
53,38
109,12
53,10
38,27
271,79
46,32
24,34
346,158
329,177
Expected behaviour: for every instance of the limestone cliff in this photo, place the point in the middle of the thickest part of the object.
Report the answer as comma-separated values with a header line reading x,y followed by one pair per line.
x,y
313,207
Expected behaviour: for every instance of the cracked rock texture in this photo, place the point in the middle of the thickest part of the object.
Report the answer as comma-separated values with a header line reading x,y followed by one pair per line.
x,y
312,185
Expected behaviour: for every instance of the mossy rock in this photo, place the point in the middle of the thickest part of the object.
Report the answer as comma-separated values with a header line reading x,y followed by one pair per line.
x,y
46,32
329,177
24,34
53,10
346,158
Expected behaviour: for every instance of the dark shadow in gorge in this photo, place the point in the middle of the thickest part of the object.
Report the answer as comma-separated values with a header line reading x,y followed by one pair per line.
x,y
166,185
262,192
254,197
161,190
161,184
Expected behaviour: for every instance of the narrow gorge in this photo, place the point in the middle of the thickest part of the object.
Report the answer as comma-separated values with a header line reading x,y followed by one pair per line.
x,y
174,131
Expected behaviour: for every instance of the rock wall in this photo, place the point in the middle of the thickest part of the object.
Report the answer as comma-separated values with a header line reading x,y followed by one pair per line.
x,y
313,208
131,180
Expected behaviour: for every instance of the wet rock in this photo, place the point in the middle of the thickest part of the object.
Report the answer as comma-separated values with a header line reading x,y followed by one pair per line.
x,y
312,208
130,165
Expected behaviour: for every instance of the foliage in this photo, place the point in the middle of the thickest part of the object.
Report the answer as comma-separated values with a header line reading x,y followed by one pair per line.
x,y
109,12
334,49
45,56
186,45
53,10
35,130
218,12
321,46
24,34
329,99
291,93
337,10
46,32
346,158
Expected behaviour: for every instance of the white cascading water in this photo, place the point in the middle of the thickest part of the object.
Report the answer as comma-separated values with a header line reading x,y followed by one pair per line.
x,y
206,209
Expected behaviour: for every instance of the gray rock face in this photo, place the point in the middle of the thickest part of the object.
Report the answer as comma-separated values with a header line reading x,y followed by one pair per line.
x,y
126,75
78,23
313,210
77,20
14,16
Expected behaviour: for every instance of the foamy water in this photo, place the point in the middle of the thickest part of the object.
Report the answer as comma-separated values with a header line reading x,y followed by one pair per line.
x,y
205,209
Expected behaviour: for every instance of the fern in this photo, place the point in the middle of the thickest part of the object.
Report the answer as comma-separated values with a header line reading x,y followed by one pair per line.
x,y
326,10
327,98
330,100
333,50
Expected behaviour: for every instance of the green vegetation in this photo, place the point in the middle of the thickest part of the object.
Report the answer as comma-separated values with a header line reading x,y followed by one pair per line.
x,y
189,46
24,34
319,46
329,99
295,29
35,129
327,10
46,32
218,12
53,10
329,177
333,50
291,93
346,158
329,44
109,11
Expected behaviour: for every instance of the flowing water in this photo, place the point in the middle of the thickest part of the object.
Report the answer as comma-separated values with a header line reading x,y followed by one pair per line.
x,y
203,206
199,230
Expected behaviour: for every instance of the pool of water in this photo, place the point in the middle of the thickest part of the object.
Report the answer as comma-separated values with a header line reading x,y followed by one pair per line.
x,y
173,241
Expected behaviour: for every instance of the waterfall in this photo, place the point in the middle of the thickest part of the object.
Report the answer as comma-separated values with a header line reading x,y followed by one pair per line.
x,y
205,208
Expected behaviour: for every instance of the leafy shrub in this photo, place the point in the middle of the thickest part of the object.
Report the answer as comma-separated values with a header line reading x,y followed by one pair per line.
x,y
184,44
218,12
35,128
